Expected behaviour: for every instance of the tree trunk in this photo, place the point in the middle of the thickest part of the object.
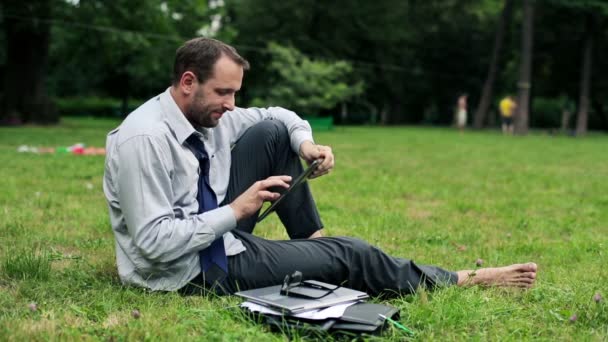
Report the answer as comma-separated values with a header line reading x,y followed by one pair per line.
x,y
565,120
583,103
396,115
598,108
27,37
524,84
384,114
488,86
492,119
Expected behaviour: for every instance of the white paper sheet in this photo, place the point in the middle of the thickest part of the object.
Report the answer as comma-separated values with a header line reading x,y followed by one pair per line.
x,y
335,311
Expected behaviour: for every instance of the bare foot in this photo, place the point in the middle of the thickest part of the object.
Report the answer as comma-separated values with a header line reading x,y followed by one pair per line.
x,y
516,275
316,234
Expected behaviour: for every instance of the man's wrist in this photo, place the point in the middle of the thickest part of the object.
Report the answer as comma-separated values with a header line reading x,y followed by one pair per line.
x,y
304,146
238,215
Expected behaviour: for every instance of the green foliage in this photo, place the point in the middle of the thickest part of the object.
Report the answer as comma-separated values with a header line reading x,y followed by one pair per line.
x,y
580,5
305,85
423,54
547,112
93,106
421,193
410,55
123,48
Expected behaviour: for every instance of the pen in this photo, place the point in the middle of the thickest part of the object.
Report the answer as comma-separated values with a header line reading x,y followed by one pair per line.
x,y
397,324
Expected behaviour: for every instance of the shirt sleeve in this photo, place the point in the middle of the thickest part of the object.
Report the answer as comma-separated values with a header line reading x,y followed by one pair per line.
x,y
243,118
144,191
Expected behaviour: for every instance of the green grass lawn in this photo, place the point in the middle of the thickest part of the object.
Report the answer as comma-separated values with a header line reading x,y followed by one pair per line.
x,y
432,195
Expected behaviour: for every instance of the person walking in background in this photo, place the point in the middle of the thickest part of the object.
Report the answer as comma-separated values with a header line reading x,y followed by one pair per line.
x,y
461,112
507,108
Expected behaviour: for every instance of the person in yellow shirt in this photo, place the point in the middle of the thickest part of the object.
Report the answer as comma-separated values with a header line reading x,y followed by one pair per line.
x,y
507,108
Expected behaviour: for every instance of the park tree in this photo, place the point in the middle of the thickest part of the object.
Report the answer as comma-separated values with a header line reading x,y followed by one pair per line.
x,y
123,48
488,86
305,85
525,68
592,12
583,103
117,48
447,41
412,55
586,20
27,37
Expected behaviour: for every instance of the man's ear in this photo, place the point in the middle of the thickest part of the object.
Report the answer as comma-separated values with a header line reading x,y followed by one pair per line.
x,y
188,83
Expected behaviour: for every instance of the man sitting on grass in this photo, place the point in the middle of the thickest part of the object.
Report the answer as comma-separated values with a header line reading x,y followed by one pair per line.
x,y
187,173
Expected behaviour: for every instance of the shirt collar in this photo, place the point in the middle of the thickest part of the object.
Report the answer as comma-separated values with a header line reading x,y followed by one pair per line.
x,y
176,120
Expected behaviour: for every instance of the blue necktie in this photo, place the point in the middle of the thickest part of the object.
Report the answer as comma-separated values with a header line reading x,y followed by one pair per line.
x,y
213,258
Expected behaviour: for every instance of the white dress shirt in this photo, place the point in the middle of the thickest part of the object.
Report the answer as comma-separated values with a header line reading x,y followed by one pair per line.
x,y
150,183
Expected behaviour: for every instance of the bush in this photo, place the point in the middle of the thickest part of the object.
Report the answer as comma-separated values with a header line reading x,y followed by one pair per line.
x,y
93,106
307,86
546,112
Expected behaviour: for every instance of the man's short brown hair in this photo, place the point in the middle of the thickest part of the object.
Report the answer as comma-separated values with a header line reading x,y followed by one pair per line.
x,y
199,55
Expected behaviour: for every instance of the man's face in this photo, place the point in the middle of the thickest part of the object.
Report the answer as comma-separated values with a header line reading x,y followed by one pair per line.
x,y
215,96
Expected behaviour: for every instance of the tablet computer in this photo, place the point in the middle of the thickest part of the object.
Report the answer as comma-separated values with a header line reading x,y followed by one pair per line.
x,y
301,179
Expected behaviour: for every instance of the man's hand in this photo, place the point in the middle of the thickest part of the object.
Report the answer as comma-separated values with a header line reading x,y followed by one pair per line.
x,y
250,201
311,152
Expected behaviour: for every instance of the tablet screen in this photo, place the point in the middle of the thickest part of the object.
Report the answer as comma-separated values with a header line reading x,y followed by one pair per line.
x,y
301,179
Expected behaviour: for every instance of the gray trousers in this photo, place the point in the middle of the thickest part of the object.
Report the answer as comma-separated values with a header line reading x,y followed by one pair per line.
x,y
263,151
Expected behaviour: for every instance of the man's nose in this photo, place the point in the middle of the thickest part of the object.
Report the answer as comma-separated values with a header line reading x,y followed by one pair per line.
x,y
229,103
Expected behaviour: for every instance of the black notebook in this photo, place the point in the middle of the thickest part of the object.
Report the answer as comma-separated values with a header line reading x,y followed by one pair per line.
x,y
364,317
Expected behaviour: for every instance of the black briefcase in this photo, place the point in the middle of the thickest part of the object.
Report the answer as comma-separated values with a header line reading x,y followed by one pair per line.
x,y
365,317
359,318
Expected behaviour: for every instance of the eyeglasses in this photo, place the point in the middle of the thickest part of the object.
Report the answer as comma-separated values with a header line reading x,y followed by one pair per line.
x,y
293,286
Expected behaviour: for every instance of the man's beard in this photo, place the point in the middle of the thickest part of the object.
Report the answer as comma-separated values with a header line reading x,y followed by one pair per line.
x,y
201,113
